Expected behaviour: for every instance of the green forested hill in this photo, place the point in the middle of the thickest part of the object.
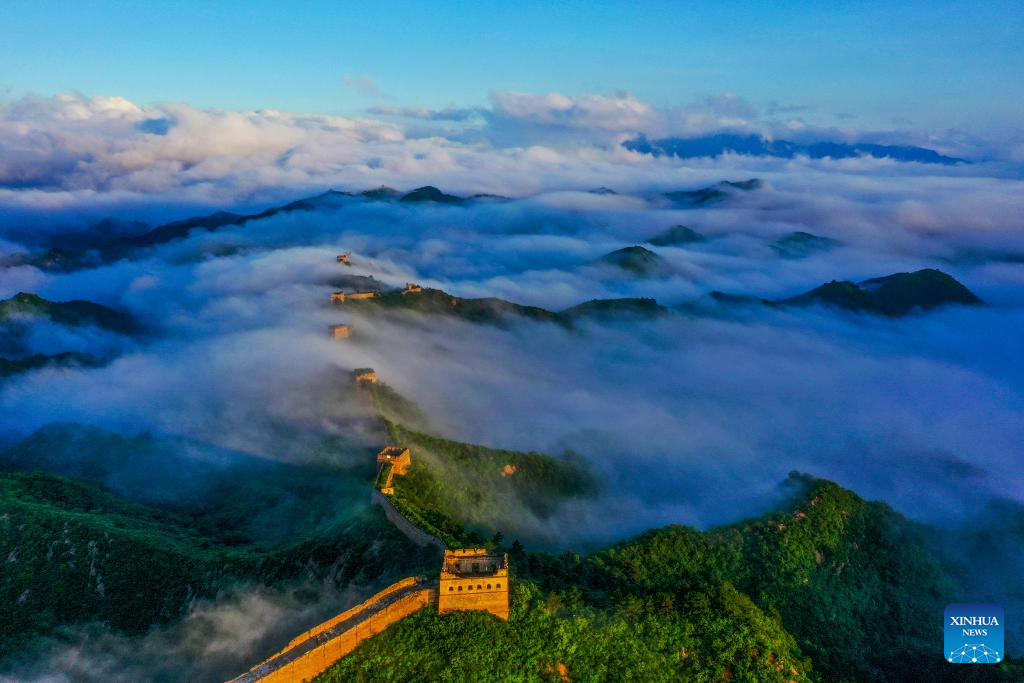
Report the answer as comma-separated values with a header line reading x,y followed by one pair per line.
x,y
72,359
76,312
893,295
835,588
75,553
830,587
463,493
721,636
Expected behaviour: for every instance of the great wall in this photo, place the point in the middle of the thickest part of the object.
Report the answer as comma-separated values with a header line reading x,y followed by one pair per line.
x,y
469,579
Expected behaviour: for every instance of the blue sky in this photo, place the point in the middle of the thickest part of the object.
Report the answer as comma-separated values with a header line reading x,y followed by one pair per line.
x,y
919,64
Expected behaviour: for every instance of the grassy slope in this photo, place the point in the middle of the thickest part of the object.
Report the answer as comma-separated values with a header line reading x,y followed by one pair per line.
x,y
461,492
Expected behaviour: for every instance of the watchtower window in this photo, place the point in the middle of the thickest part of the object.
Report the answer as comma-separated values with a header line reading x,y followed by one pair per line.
x,y
451,588
460,587
497,585
488,586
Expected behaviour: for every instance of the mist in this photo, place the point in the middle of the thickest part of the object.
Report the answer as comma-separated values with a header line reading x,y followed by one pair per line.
x,y
922,412
235,322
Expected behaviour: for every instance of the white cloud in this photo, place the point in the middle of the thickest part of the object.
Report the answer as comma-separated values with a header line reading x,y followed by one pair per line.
x,y
592,112
79,151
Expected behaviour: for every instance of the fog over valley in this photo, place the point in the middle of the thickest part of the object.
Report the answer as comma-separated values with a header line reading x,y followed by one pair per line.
x,y
592,319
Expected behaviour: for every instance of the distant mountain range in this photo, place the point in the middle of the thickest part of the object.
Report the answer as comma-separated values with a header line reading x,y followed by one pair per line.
x,y
114,239
712,194
77,312
21,311
756,145
893,296
14,366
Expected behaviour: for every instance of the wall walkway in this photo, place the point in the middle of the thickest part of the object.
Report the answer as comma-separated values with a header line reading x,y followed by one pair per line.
x,y
318,648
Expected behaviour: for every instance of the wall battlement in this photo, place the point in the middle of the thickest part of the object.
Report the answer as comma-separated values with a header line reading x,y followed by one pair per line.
x,y
392,461
364,376
318,648
470,579
342,297
339,331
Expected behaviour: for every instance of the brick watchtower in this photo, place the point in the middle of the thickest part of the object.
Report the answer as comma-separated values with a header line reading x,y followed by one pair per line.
x,y
474,579
364,376
393,461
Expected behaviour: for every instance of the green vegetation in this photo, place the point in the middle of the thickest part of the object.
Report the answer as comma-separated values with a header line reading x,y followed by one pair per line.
x,y
250,499
382,474
382,193
153,522
462,493
615,308
722,635
53,260
77,553
836,581
800,244
76,312
395,408
429,193
637,260
434,301
72,359
893,295
500,312
712,194
833,588
676,235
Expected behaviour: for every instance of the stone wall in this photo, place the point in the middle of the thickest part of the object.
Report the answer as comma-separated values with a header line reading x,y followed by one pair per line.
x,y
411,531
487,593
317,649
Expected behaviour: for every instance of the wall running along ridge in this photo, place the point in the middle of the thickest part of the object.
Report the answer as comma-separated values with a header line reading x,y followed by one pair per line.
x,y
411,531
317,649
312,652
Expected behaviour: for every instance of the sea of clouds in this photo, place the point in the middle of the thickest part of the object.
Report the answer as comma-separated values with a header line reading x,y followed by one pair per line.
x,y
923,412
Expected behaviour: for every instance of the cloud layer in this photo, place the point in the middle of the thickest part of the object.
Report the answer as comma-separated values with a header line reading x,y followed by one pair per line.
x,y
687,419
78,151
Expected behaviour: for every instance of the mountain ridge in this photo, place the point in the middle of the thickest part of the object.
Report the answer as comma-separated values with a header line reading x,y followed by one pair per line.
x,y
756,145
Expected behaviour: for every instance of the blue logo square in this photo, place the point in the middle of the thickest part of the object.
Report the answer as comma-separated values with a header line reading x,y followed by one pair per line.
x,y
974,633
